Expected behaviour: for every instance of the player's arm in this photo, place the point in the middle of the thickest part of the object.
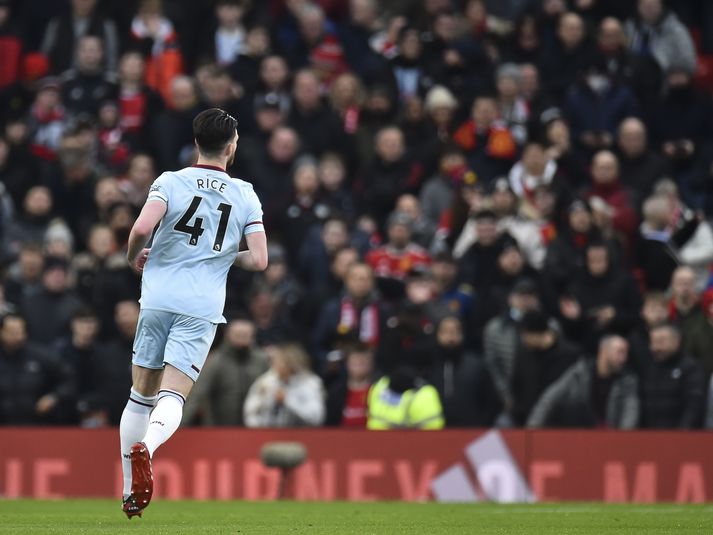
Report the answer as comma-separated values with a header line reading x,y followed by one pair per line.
x,y
255,258
152,212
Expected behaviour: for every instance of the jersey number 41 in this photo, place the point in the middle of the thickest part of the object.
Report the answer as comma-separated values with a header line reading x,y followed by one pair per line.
x,y
195,231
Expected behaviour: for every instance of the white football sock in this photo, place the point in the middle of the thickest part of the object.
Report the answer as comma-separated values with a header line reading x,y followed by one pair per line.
x,y
165,419
132,428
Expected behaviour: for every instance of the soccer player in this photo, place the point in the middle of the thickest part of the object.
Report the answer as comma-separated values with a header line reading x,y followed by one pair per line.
x,y
201,214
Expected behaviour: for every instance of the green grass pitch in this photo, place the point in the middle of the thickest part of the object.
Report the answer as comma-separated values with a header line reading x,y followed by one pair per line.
x,y
190,517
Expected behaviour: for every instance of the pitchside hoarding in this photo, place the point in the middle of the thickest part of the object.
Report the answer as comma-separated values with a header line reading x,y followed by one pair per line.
x,y
457,465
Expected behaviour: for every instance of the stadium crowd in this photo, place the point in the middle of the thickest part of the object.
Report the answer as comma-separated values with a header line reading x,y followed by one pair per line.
x,y
480,212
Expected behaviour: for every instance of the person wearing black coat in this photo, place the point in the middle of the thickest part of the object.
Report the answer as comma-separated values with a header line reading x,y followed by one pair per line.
x,y
35,388
672,384
463,382
540,360
602,299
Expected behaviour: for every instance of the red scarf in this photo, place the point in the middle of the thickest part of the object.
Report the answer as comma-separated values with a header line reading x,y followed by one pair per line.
x,y
367,322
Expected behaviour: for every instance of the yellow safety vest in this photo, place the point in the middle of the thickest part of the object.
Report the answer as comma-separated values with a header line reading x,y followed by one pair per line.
x,y
417,408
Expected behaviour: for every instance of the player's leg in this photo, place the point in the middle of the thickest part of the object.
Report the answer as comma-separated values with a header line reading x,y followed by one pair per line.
x,y
186,350
147,370
135,418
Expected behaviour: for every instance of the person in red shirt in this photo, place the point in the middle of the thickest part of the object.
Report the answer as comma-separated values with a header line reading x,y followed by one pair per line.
x,y
347,397
399,255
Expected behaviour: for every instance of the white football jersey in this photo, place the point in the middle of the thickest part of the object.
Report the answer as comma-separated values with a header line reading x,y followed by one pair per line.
x,y
197,240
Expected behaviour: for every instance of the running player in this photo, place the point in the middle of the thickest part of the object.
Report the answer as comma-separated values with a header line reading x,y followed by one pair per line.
x,y
201,214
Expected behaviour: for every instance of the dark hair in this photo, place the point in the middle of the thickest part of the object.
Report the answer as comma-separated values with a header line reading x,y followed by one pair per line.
x,y
213,129
534,322
357,347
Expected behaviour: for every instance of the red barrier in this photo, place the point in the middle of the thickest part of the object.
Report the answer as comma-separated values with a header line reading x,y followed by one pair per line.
x,y
453,465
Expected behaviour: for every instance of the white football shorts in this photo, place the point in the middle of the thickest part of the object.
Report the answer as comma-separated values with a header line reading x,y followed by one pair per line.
x,y
169,338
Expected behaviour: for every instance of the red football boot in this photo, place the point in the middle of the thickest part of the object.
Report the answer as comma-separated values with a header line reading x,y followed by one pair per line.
x,y
141,475
131,508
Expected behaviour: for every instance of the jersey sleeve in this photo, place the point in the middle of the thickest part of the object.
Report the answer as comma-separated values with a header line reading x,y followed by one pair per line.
x,y
160,189
253,221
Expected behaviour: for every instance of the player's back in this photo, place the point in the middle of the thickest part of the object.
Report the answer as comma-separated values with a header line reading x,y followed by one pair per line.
x,y
197,241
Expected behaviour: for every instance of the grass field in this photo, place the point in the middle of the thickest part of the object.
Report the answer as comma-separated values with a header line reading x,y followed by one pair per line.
x,y
173,518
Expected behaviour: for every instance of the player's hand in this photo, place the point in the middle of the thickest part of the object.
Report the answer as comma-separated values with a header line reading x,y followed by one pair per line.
x,y
140,261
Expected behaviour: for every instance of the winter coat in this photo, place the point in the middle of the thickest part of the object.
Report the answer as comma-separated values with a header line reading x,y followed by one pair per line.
x,y
568,402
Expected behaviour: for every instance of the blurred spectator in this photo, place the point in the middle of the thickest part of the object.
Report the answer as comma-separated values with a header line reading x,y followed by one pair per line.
x,y
640,167
72,183
407,66
391,172
316,124
402,400
32,223
572,165
699,336
657,33
501,338
79,350
479,265
245,69
682,129
567,55
270,171
399,254
46,120
423,230
438,192
302,209
462,381
458,298
173,126
334,187
115,350
271,323
540,360
364,38
607,186
487,141
11,46
154,35
596,106
696,252
318,248
684,306
513,109
24,276
347,397
64,33
659,244
409,332
673,386
592,393
228,33
357,314
654,312
287,395
34,387
49,311
219,397
283,285
139,177
532,171
602,299
86,86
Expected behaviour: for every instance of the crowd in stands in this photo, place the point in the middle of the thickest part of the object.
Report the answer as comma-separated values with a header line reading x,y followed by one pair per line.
x,y
480,212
